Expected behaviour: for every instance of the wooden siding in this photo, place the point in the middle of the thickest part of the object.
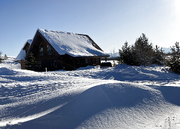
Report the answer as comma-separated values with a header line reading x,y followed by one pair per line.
x,y
55,61
45,54
23,64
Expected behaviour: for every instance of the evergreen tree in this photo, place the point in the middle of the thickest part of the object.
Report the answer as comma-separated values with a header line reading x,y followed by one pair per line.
x,y
158,56
174,61
32,64
143,51
126,55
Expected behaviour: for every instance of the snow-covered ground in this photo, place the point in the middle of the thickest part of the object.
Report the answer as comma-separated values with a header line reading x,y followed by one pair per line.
x,y
124,97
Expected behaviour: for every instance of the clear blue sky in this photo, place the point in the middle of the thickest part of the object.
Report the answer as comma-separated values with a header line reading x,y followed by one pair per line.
x,y
108,22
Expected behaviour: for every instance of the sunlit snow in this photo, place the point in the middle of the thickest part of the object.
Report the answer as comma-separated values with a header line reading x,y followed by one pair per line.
x,y
71,43
122,97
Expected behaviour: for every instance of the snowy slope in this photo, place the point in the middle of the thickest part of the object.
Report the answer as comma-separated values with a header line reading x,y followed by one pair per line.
x,y
123,97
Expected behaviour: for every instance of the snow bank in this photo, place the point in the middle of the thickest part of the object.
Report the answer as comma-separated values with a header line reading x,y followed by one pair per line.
x,y
10,63
6,71
113,105
123,97
152,73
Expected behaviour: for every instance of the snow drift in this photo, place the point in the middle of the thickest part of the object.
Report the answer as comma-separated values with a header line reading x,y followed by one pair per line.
x,y
123,97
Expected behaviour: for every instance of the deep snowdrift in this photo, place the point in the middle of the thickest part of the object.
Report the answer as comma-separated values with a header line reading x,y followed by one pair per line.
x,y
123,97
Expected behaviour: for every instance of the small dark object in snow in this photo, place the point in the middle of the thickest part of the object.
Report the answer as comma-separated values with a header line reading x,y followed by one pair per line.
x,y
106,64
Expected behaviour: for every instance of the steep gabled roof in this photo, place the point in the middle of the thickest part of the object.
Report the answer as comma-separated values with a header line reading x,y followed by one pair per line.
x,y
22,53
76,45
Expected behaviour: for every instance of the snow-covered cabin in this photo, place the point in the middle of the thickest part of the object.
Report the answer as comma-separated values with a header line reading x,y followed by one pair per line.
x,y
61,50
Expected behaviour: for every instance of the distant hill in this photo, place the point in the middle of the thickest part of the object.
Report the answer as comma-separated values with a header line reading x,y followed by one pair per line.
x,y
112,55
166,50
116,54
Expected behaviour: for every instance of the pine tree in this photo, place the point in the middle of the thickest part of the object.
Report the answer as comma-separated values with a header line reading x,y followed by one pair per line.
x,y
174,61
32,64
158,56
126,55
143,51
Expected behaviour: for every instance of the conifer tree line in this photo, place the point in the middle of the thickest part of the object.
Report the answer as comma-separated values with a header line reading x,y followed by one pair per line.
x,y
143,53
174,60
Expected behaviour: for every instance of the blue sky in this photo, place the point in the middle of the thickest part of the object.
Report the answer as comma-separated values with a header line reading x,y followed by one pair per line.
x,y
108,22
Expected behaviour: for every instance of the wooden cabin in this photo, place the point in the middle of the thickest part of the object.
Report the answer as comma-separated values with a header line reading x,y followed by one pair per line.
x,y
61,50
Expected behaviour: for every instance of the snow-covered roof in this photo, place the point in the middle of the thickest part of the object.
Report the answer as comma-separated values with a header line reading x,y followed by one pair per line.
x,y
22,53
71,43
29,41
76,45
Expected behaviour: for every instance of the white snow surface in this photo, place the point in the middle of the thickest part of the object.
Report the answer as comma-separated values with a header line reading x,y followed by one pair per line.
x,y
122,97
71,43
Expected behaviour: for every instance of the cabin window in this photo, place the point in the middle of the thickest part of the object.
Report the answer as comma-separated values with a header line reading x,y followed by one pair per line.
x,y
82,61
41,50
86,61
48,50
54,64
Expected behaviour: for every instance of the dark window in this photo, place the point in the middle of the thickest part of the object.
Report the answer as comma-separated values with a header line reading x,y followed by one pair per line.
x,y
48,50
95,61
54,64
41,50
86,61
